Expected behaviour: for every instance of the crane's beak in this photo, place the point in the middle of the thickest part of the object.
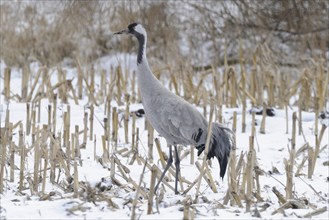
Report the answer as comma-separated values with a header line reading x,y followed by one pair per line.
x,y
125,31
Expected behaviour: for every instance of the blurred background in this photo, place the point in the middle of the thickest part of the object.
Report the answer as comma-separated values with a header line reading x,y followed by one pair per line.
x,y
195,33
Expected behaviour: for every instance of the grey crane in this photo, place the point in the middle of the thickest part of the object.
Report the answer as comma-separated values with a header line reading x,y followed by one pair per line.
x,y
172,117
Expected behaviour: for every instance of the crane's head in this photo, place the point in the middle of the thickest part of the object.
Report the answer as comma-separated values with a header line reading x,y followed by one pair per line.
x,y
135,29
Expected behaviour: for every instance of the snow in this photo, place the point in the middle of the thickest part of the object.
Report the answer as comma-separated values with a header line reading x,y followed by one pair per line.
x,y
271,149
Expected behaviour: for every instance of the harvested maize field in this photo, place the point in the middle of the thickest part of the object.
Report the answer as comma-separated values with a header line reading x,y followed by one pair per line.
x,y
75,142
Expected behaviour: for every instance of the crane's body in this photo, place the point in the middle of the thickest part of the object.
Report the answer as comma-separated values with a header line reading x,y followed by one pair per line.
x,y
172,117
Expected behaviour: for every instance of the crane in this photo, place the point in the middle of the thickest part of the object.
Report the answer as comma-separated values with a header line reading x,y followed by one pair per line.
x,y
175,119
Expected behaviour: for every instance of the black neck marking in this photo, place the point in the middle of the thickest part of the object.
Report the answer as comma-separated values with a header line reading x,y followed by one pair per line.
x,y
141,43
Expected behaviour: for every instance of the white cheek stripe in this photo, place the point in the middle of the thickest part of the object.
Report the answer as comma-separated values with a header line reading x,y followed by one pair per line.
x,y
140,29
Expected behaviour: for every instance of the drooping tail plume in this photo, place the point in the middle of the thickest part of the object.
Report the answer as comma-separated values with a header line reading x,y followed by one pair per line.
x,y
221,143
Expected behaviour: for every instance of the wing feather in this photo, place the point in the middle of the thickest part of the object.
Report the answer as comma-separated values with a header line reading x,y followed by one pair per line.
x,y
182,120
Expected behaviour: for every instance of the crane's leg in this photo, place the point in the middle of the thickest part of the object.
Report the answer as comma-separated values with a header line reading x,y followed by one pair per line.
x,y
177,163
169,162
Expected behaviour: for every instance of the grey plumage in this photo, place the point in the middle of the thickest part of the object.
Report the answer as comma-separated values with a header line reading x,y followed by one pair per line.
x,y
174,118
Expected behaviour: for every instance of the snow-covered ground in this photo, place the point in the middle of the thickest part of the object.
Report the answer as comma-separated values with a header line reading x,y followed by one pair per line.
x,y
271,150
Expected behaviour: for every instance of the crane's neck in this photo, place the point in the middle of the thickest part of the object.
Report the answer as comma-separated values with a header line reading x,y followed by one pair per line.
x,y
141,56
147,82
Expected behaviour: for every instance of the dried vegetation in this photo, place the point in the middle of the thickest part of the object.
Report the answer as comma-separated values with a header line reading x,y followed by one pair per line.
x,y
259,77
